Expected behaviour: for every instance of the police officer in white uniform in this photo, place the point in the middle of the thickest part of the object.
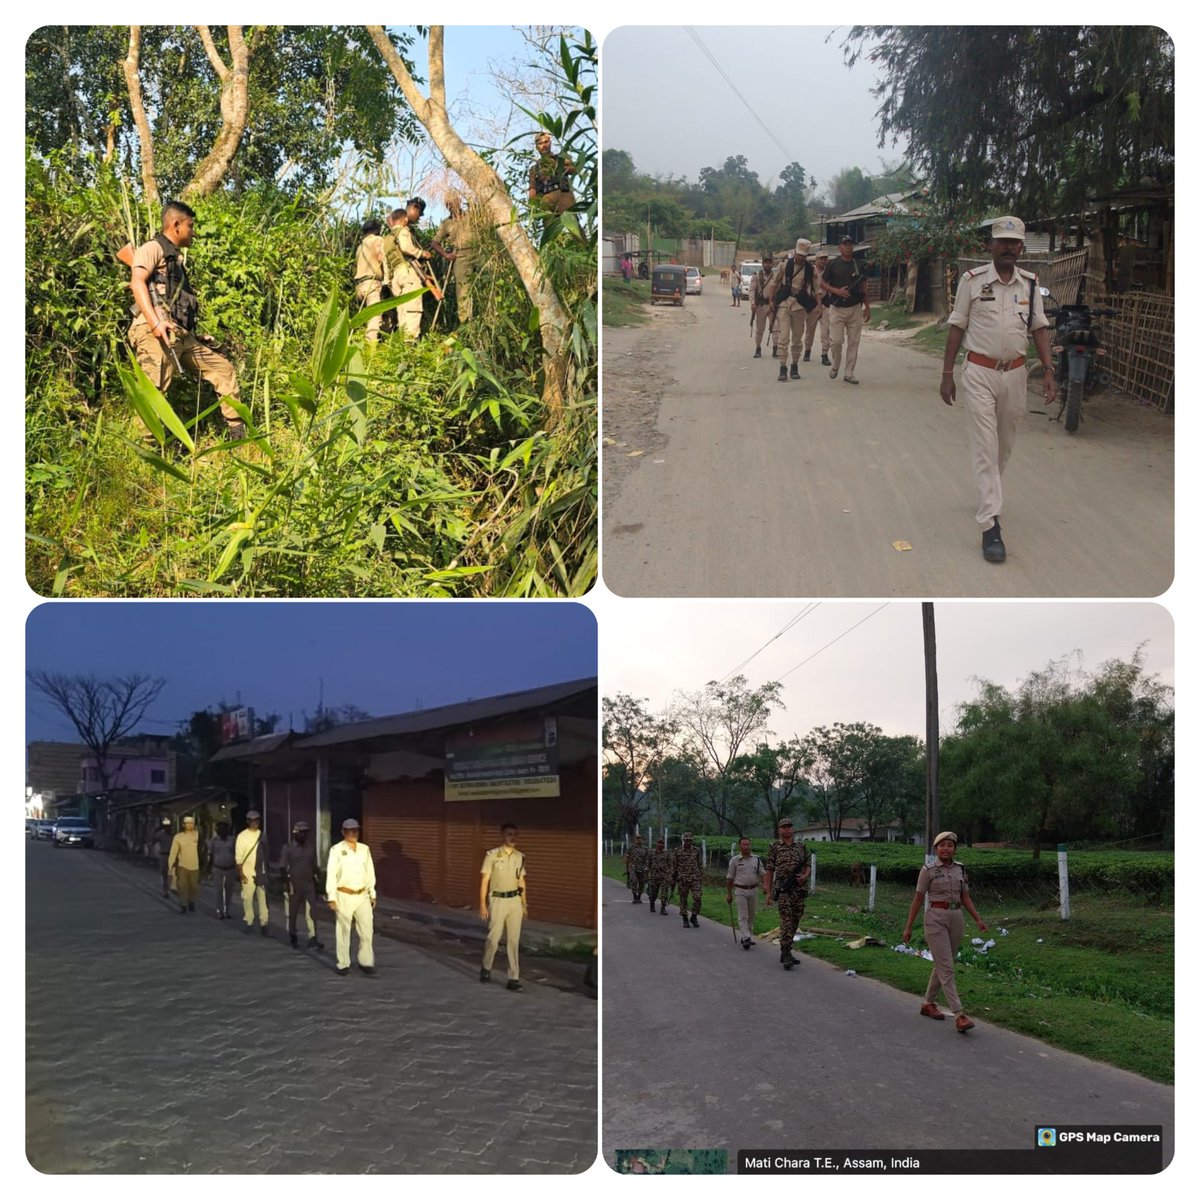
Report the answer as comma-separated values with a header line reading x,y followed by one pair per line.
x,y
503,904
742,881
350,891
995,311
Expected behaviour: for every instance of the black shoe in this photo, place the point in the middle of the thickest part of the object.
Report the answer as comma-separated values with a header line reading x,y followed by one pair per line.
x,y
191,908
294,940
782,373
825,360
746,943
343,970
651,905
795,372
685,920
833,372
235,430
166,894
367,970
850,379
774,351
993,547
787,960
247,928
183,910
662,908
513,985
695,921
485,976
758,352
313,944
263,930
808,356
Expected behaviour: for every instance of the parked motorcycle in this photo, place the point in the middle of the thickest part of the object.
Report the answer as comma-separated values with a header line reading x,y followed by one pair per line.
x,y
1078,353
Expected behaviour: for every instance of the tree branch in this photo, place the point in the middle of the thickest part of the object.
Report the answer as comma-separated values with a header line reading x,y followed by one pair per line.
x,y
133,84
235,111
210,49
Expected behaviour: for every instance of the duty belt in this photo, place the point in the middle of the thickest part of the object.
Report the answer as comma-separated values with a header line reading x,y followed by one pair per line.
x,y
352,891
994,364
944,904
750,886
507,895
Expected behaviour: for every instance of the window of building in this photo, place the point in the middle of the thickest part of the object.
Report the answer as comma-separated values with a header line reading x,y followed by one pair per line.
x,y
158,776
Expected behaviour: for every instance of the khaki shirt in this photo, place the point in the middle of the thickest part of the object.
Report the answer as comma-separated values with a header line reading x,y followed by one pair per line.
x,y
151,258
745,871
995,314
185,851
760,290
369,264
405,277
505,867
349,868
943,883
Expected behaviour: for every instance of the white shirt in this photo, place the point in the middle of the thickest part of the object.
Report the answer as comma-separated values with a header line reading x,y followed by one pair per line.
x,y
353,869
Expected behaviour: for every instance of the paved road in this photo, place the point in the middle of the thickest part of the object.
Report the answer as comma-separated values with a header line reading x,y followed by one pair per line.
x,y
161,1043
750,487
696,1032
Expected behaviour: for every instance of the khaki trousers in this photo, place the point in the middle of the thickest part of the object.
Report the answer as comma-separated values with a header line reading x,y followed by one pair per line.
x,y
187,885
297,901
845,324
995,403
745,900
789,329
504,920
194,356
818,316
249,891
408,315
356,911
943,933
762,314
371,292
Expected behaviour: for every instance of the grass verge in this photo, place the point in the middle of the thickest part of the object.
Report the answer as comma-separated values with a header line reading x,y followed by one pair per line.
x,y
625,303
1101,984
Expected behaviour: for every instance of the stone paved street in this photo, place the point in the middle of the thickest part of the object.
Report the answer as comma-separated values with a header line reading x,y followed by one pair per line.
x,y
163,1043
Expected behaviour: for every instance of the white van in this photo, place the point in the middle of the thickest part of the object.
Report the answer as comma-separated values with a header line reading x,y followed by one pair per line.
x,y
748,271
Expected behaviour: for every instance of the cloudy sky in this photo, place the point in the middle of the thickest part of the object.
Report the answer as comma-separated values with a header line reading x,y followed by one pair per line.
x,y
875,672
665,102
383,657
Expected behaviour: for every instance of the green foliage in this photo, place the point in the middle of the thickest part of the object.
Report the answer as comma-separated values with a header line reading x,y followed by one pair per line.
x,y
928,237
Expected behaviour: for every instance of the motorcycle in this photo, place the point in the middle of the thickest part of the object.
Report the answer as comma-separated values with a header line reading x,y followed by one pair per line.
x,y
1077,351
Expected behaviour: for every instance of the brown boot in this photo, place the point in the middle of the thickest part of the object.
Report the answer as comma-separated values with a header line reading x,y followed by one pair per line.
x,y
932,1010
962,1023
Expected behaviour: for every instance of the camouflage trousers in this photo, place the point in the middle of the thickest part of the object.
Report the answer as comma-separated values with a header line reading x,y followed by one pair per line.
x,y
694,887
637,882
660,889
791,909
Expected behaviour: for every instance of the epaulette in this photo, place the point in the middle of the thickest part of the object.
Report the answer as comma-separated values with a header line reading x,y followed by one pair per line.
x,y
973,272
1027,274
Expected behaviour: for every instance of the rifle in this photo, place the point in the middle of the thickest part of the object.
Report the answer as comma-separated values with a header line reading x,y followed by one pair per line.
x,y
732,923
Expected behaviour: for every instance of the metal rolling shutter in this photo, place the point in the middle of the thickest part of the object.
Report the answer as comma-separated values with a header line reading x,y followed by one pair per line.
x,y
402,823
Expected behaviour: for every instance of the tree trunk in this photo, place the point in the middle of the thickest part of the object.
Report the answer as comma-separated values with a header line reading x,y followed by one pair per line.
x,y
235,110
133,83
490,195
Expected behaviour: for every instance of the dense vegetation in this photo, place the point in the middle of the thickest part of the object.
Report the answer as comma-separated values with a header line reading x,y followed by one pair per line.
x,y
428,468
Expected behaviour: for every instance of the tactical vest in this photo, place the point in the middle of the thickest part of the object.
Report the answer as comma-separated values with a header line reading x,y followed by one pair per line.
x,y
170,288
801,290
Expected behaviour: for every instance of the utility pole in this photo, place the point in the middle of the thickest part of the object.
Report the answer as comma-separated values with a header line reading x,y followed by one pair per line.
x,y
931,727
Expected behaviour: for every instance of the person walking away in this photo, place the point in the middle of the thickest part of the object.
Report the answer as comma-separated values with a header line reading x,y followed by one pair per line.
x,y
299,864
503,904
162,851
760,303
792,296
165,313
996,309
350,892
252,866
688,875
949,893
819,315
370,272
222,865
184,861
742,881
845,280
660,876
787,871
637,863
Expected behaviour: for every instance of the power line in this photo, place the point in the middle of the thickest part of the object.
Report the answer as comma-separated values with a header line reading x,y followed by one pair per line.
x,y
788,155
830,643
811,607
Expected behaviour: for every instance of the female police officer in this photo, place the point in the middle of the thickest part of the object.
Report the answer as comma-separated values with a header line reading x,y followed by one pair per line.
x,y
946,883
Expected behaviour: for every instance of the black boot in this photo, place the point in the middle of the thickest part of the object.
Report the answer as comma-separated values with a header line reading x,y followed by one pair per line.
x,y
808,356
824,359
484,975
993,547
183,910
782,373
295,941
795,371
774,351
758,352
191,908
651,903
235,430
695,921
313,944
685,920
786,960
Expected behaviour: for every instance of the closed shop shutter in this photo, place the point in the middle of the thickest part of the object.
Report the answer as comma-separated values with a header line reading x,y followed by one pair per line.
x,y
402,823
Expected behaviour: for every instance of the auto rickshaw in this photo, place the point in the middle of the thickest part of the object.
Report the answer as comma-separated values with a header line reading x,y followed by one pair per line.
x,y
668,282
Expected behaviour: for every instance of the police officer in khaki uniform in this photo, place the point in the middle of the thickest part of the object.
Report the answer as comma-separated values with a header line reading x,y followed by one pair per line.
x,y
846,282
550,178
946,883
184,861
503,904
165,311
742,881
819,315
350,892
458,232
299,867
370,274
793,295
760,301
996,308
408,275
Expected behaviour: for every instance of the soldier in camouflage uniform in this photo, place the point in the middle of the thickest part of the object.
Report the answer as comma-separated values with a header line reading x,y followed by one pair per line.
x,y
637,865
687,875
660,875
787,872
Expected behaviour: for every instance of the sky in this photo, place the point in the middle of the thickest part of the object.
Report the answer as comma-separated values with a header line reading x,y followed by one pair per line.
x,y
874,673
792,77
385,658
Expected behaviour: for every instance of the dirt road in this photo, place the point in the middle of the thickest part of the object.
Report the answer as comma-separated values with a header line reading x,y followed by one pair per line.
x,y
720,481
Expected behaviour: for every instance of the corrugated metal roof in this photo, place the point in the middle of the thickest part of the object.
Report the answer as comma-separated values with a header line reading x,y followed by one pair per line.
x,y
254,747
892,202
450,714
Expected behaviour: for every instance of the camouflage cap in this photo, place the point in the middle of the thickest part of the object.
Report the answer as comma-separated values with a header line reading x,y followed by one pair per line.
x,y
687,837
785,821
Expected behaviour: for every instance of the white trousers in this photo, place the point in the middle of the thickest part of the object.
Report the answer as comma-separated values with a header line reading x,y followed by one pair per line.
x,y
995,403
356,911
249,892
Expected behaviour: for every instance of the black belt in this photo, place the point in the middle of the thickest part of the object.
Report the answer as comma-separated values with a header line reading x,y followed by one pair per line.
x,y
507,895
746,885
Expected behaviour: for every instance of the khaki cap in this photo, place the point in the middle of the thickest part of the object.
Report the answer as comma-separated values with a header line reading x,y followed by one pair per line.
x,y
941,837
803,245
1008,227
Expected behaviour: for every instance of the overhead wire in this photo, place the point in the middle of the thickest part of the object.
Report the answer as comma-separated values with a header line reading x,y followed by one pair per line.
x,y
832,641
808,609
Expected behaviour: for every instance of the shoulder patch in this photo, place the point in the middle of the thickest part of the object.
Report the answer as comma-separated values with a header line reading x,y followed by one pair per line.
x,y
973,272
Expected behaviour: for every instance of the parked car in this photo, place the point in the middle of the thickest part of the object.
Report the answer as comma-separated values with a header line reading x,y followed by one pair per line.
x,y
73,831
748,271
31,825
45,830
695,281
